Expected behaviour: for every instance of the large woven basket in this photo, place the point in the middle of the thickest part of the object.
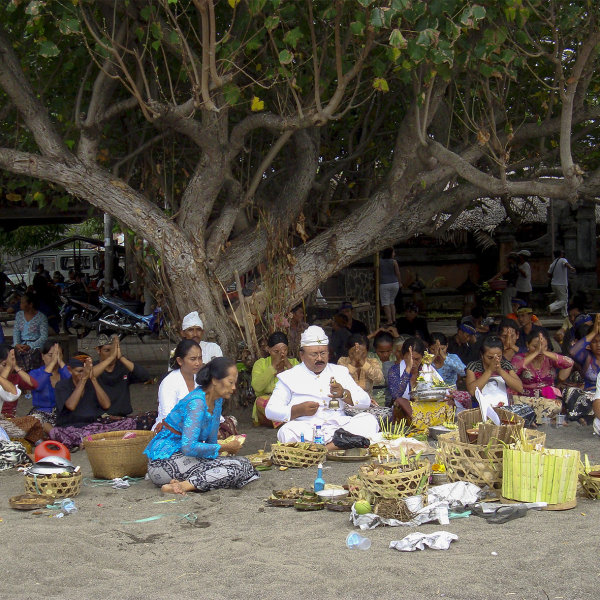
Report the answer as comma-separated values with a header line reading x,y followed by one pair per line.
x,y
481,465
55,486
111,456
298,454
395,485
488,431
590,485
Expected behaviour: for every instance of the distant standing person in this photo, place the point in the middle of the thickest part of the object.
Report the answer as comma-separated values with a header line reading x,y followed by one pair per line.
x,y
390,282
523,284
558,273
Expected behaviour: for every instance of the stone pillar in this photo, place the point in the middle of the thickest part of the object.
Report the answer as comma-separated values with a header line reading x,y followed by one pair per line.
x,y
585,243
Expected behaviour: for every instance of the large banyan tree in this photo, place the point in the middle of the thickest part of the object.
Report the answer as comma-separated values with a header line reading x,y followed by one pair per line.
x,y
298,135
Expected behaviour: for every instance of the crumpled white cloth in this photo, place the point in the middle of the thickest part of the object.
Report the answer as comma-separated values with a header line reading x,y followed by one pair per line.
x,y
440,499
120,484
438,540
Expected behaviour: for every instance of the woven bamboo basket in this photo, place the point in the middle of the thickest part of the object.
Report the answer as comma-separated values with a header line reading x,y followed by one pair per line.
x,y
355,488
549,475
481,465
488,431
55,486
298,454
590,485
385,484
111,456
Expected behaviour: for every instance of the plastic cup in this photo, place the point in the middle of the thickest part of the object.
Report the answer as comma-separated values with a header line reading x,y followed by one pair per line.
x,y
560,420
355,541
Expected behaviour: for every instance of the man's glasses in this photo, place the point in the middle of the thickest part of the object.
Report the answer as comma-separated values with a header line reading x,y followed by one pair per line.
x,y
323,354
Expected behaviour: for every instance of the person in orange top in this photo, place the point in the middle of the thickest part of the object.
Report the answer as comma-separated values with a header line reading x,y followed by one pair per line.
x,y
518,303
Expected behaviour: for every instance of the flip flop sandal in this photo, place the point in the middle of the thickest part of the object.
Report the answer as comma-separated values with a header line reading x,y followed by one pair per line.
x,y
502,514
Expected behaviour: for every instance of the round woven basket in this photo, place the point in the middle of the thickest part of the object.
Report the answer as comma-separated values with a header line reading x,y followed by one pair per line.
x,y
298,454
481,465
55,486
395,485
111,456
488,432
590,485
380,412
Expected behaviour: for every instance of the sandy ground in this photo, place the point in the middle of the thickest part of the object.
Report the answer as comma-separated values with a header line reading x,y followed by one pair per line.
x,y
238,548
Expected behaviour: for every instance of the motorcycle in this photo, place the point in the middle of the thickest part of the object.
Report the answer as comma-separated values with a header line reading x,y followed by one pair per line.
x,y
118,316
78,317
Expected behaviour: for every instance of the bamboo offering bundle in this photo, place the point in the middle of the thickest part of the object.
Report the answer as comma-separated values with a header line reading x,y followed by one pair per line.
x,y
540,475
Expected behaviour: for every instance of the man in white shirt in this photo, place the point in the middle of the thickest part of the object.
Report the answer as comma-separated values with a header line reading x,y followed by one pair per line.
x,y
558,273
302,396
192,328
523,284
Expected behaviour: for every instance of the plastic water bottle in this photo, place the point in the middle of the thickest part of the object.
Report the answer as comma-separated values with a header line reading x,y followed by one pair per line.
x,y
318,435
319,484
302,437
355,541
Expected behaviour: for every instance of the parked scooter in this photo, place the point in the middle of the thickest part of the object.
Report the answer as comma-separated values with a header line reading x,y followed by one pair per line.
x,y
78,317
117,316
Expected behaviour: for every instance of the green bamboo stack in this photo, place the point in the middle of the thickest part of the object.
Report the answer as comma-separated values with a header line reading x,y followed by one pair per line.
x,y
546,475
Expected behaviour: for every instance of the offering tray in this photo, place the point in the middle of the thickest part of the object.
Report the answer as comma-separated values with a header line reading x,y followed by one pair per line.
x,y
432,394
30,501
350,455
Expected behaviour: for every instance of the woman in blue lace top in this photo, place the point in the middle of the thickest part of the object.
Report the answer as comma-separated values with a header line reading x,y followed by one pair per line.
x,y
184,455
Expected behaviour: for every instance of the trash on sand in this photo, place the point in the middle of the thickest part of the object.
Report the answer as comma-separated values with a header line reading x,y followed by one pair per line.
x,y
438,540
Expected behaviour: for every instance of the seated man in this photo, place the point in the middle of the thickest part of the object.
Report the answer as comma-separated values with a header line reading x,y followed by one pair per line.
x,y
115,373
525,318
354,325
192,328
464,343
302,394
80,402
413,325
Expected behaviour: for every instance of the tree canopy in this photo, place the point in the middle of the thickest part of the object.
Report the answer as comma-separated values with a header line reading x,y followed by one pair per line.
x,y
303,135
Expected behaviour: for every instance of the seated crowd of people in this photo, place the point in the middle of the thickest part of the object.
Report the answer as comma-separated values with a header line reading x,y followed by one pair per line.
x,y
515,363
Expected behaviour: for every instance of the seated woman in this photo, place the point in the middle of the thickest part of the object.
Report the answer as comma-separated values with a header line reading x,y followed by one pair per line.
x,y
184,455
17,376
264,376
586,353
448,366
187,361
402,377
509,332
493,375
29,333
539,369
54,369
17,428
80,403
383,346
365,371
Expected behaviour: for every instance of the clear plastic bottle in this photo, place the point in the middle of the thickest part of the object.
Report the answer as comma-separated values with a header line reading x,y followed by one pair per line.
x,y
318,435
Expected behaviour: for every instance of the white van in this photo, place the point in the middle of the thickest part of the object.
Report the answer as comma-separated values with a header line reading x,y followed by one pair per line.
x,y
63,261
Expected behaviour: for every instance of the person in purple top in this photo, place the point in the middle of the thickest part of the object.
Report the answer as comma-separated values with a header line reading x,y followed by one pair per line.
x,y
47,376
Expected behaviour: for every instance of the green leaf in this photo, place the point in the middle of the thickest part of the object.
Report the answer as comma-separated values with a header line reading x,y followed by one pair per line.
x,y
397,40
381,85
272,22
156,31
255,6
357,28
377,18
146,12
427,37
68,26
173,37
365,2
232,93
478,12
285,57
155,44
417,53
400,4
292,37
48,49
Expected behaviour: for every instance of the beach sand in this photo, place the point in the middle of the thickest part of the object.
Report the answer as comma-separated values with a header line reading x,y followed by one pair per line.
x,y
234,546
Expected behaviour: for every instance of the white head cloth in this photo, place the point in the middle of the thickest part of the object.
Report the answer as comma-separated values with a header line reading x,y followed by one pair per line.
x,y
314,336
192,320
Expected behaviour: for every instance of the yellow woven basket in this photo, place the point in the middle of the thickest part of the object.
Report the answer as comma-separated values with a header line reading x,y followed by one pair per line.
x,y
481,465
111,456
380,480
590,485
53,485
298,454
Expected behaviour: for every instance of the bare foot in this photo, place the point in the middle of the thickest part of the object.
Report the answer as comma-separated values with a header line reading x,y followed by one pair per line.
x,y
177,487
